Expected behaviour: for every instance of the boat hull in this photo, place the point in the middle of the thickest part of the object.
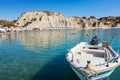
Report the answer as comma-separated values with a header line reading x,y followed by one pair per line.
x,y
80,75
92,77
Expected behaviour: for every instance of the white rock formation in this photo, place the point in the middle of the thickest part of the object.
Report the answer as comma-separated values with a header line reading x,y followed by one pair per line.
x,y
43,19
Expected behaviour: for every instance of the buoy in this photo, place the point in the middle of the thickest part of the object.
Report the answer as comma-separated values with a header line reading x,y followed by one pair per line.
x,y
79,52
59,36
86,34
48,36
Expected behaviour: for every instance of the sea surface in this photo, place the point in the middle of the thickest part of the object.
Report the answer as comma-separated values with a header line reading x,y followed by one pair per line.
x,y
41,55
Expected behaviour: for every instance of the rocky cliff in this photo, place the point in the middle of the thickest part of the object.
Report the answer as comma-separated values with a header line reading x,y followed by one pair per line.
x,y
46,19
111,21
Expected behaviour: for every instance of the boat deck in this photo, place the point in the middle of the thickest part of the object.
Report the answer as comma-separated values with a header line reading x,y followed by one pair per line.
x,y
97,64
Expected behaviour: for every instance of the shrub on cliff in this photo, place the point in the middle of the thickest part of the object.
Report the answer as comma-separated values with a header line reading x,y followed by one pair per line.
x,y
93,17
84,17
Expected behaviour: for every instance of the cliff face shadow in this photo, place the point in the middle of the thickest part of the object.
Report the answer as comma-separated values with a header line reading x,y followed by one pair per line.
x,y
56,69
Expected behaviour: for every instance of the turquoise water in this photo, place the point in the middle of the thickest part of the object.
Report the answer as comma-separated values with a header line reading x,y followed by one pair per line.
x,y
41,55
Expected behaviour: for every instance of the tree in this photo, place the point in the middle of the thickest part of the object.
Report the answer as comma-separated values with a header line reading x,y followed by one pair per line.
x,y
7,23
14,21
93,17
84,17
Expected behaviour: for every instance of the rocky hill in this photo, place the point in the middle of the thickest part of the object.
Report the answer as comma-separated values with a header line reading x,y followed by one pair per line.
x,y
111,21
45,19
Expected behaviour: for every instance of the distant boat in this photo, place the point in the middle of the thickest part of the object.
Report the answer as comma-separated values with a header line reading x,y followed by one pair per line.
x,y
92,61
2,30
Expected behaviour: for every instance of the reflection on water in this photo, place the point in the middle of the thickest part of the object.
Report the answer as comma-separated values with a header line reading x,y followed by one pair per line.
x,y
41,55
41,40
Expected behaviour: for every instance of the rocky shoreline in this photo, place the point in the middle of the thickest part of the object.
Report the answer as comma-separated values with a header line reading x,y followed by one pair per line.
x,y
54,21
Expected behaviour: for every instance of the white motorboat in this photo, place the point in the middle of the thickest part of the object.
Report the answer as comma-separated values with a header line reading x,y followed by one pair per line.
x,y
2,30
93,62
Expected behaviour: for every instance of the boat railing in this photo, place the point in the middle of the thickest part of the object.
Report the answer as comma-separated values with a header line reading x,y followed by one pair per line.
x,y
69,56
111,55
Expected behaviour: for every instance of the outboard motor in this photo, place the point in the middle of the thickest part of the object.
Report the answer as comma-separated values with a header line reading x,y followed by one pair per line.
x,y
94,40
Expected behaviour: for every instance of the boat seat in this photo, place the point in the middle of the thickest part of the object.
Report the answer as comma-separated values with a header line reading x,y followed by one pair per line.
x,y
93,50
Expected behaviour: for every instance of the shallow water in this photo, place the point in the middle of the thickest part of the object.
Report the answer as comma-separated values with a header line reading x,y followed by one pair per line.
x,y
41,55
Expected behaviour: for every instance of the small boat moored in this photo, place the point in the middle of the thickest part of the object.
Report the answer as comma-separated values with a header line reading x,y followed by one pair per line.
x,y
93,61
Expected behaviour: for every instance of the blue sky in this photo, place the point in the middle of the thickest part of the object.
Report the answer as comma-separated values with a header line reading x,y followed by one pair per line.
x,y
12,9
